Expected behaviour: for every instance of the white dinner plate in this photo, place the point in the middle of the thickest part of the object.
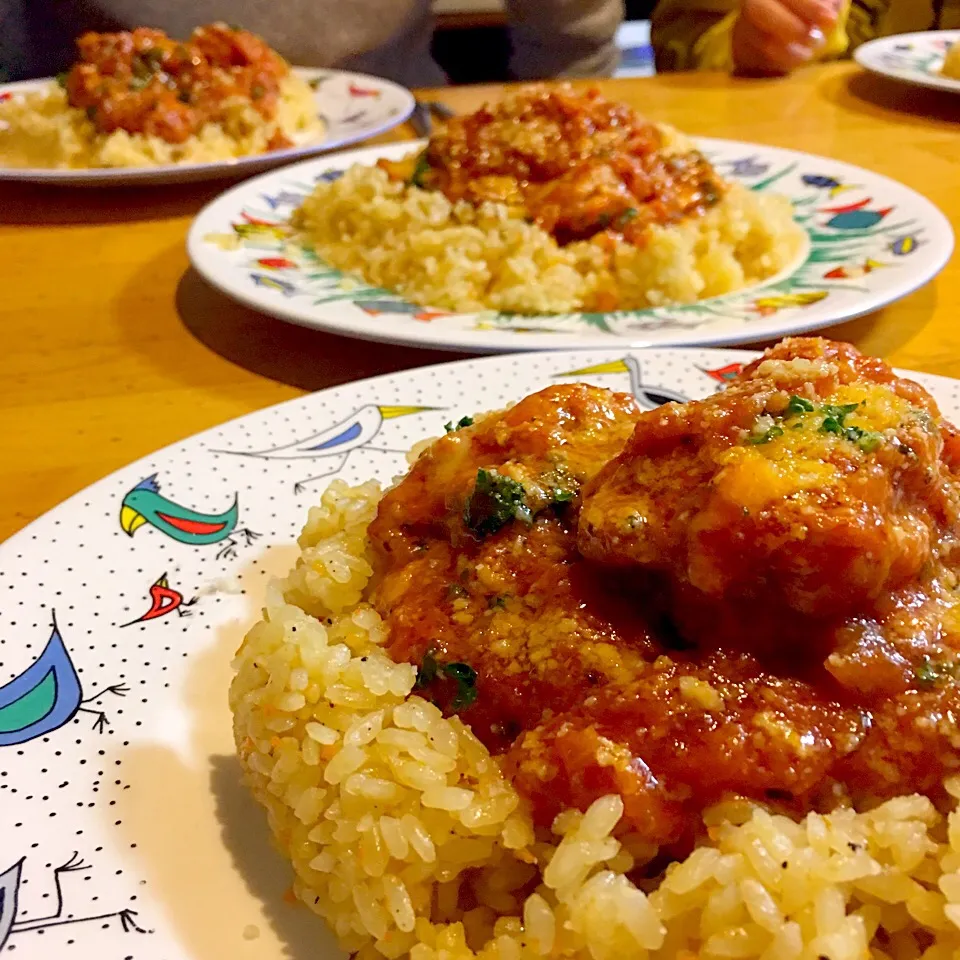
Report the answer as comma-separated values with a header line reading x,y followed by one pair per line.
x,y
353,106
871,241
915,58
125,832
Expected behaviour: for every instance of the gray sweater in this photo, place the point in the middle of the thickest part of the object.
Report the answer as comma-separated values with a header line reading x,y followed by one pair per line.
x,y
390,38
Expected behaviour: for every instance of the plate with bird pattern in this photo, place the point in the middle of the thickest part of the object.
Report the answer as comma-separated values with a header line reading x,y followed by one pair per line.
x,y
871,241
915,58
127,833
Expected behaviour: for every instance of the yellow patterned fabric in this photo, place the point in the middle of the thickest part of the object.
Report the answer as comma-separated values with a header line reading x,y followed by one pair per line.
x,y
695,34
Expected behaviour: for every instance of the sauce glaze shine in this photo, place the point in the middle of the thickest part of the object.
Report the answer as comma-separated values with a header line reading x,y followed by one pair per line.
x,y
749,595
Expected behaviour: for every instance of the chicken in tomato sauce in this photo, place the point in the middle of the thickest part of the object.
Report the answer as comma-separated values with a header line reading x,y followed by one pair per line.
x,y
577,165
751,595
145,82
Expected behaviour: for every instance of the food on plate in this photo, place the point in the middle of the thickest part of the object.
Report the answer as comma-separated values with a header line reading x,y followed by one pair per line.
x,y
592,682
551,201
951,63
142,99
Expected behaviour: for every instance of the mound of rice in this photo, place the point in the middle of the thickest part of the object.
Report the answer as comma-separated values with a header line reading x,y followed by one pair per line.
x,y
464,258
41,129
407,839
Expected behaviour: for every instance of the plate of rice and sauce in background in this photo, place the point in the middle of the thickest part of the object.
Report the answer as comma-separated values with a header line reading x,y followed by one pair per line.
x,y
142,108
557,219
930,59
580,676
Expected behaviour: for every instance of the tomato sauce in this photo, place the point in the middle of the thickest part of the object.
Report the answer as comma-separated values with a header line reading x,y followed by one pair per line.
x,y
595,655
145,82
577,165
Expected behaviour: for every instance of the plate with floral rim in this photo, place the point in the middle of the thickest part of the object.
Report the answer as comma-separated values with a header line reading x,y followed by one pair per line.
x,y
871,241
915,58
352,106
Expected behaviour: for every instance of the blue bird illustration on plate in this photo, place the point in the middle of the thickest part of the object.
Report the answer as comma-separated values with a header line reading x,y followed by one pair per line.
x,y
46,696
285,287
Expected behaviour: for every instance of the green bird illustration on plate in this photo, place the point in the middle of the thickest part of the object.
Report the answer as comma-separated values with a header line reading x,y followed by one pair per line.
x,y
144,504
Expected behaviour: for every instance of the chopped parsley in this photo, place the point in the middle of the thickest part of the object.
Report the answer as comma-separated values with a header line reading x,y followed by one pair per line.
x,y
929,672
91,113
798,405
62,79
427,672
833,422
560,495
257,91
494,502
834,416
450,426
462,674
767,435
455,590
420,171
866,440
466,678
499,603
631,213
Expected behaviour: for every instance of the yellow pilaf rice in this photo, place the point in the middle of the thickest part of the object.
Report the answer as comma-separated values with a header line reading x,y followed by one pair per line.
x,y
951,65
40,129
394,817
459,257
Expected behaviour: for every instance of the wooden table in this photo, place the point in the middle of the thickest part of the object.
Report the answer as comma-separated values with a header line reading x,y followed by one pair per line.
x,y
113,347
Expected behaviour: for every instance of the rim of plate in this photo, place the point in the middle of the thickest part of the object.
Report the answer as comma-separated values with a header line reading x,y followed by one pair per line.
x,y
866,54
225,278
211,170
161,907
367,385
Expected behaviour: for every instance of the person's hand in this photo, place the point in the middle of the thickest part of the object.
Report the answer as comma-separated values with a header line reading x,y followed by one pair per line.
x,y
777,36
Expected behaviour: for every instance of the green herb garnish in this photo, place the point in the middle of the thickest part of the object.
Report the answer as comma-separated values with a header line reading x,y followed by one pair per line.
x,y
91,113
257,91
767,435
450,426
455,590
833,416
62,79
494,502
563,496
798,405
421,169
868,440
462,674
931,671
466,680
499,602
629,214
427,671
